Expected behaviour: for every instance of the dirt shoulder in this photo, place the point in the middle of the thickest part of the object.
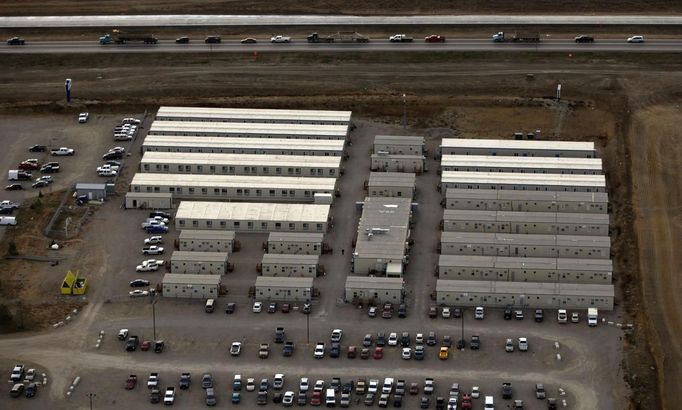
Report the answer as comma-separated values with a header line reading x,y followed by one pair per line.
x,y
357,7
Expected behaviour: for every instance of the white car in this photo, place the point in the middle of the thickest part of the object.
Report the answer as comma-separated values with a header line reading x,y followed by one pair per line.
x,y
107,173
83,117
257,307
131,121
475,392
319,351
336,335
373,386
428,386
393,339
446,313
407,353
523,344
169,397
236,348
152,250
304,385
250,384
137,293
419,339
479,313
636,39
387,388
154,240
280,39
319,385
278,381
288,399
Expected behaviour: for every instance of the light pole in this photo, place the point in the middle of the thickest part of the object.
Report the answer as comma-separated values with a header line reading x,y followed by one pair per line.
x,y
91,396
307,324
154,314
404,111
466,295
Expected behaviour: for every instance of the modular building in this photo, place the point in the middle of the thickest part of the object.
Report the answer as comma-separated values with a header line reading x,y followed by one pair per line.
x,y
522,182
250,130
544,223
94,192
382,239
245,115
241,164
398,163
210,263
392,184
226,145
275,264
521,165
196,240
191,286
284,289
531,246
296,243
527,201
399,145
149,200
373,290
503,268
524,295
252,216
516,148
234,187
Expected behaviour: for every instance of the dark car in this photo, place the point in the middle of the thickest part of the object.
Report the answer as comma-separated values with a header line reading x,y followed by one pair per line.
x,y
398,400
249,40
49,169
433,312
212,39
424,403
16,41
37,148
41,183
262,398
402,311
447,341
539,315
272,307
231,307
158,346
475,343
507,314
154,214
13,187
584,39
335,350
381,339
112,155
31,390
139,283
434,38
182,40
456,312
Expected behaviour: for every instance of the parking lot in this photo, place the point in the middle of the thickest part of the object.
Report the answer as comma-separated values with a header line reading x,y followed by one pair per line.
x,y
198,342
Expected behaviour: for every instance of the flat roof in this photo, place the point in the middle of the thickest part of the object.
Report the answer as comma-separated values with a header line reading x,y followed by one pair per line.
x,y
219,159
199,256
295,237
374,282
206,234
284,282
253,143
233,181
514,178
248,128
395,179
525,239
529,217
397,156
518,144
497,161
524,288
507,195
291,259
252,211
191,279
87,185
507,262
253,114
383,228
399,139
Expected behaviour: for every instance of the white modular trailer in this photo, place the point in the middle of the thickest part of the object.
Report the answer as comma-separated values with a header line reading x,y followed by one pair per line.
x,y
522,165
234,187
517,148
148,200
285,289
392,184
383,235
176,285
241,164
398,163
274,264
252,216
226,145
198,240
210,263
528,295
522,182
250,130
295,243
373,290
543,223
527,201
504,268
530,246
246,115
399,145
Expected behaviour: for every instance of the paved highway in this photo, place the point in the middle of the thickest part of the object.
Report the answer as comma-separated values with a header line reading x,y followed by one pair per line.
x,y
198,46
318,20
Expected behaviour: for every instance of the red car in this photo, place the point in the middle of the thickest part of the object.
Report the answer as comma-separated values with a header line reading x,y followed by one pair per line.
x,y
316,400
145,345
378,353
434,38
466,402
29,165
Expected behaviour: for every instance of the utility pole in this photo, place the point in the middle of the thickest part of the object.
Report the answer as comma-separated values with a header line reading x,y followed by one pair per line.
x,y
154,314
404,111
307,325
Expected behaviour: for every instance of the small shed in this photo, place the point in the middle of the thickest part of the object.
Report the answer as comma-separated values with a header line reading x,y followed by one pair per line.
x,y
213,263
94,191
284,289
191,286
149,200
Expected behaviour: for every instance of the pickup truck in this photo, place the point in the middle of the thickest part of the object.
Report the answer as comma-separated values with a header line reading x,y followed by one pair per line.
x,y
149,267
169,397
153,240
131,382
152,250
506,390
17,373
132,343
153,381
280,39
155,396
264,351
9,205
400,38
149,223
63,151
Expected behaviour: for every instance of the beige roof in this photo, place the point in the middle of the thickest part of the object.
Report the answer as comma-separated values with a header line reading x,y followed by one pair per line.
x,y
233,181
252,114
252,211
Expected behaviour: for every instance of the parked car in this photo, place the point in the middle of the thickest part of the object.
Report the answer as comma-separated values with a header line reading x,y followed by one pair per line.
x,y
257,307
236,349
509,346
37,148
523,344
539,315
14,187
83,117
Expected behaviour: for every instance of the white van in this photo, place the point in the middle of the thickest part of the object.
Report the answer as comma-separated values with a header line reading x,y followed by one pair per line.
x,y
8,220
330,398
489,403
562,316
210,306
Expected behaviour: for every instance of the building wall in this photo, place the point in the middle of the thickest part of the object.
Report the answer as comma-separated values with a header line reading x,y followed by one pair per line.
x,y
375,296
241,150
480,168
517,152
391,191
282,294
149,202
93,194
251,226
227,169
194,267
402,149
541,228
525,206
195,292
295,248
301,194
206,245
523,275
289,269
520,187
397,164
529,251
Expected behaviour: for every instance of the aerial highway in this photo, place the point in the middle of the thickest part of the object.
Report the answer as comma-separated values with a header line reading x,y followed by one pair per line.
x,y
178,20
300,45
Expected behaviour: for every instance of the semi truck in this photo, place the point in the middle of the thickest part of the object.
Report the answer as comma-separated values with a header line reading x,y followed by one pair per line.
x,y
120,37
518,37
339,37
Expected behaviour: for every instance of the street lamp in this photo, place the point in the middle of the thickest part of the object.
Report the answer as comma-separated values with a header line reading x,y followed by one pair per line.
x,y
307,324
91,396
466,295
404,111
154,313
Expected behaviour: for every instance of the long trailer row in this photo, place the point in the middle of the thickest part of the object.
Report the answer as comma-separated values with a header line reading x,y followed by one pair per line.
x,y
521,165
248,115
249,130
227,145
515,148
526,201
522,182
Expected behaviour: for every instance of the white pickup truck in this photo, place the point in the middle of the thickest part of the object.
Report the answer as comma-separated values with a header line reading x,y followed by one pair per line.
x,y
63,151
152,250
280,39
147,267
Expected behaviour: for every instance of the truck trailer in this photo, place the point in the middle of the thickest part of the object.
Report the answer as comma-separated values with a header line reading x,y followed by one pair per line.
x,y
518,37
339,37
120,37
